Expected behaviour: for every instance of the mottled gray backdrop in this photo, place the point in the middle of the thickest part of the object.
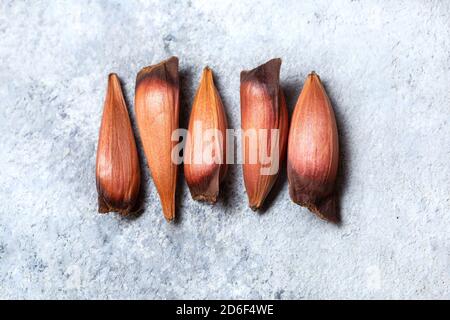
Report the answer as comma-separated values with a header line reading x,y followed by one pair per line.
x,y
386,67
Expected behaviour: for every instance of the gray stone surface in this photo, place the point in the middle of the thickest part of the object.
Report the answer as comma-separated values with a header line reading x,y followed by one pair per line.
x,y
386,66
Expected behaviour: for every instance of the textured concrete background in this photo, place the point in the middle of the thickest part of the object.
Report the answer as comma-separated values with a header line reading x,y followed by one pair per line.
x,y
386,66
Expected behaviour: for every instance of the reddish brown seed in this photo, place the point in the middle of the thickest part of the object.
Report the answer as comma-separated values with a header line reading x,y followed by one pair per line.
x,y
157,108
262,107
117,168
205,150
313,151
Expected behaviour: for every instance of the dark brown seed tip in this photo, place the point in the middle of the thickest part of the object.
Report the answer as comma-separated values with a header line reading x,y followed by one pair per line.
x,y
205,198
313,74
268,72
124,209
166,70
324,208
